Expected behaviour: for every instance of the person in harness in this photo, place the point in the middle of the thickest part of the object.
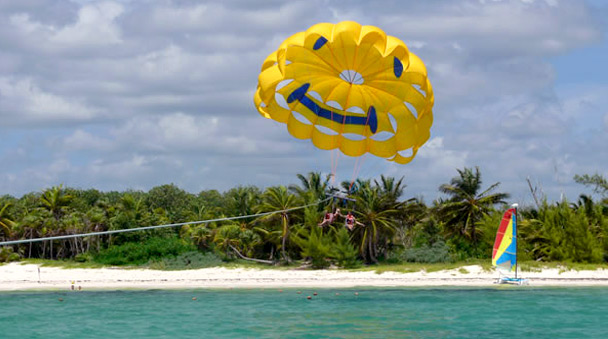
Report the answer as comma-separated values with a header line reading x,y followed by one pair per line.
x,y
350,221
330,217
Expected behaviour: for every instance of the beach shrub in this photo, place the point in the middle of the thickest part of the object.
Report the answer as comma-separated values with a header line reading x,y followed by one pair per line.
x,y
316,247
426,232
343,252
136,253
436,253
561,233
83,257
7,254
187,261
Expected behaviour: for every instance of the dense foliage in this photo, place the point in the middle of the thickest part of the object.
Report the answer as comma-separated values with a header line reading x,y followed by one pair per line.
x,y
458,226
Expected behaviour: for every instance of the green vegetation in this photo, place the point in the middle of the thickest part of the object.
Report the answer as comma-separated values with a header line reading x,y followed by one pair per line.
x,y
438,252
187,261
397,233
7,255
139,253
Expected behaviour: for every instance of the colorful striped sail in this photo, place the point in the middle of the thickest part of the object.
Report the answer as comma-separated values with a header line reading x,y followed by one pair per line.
x,y
504,254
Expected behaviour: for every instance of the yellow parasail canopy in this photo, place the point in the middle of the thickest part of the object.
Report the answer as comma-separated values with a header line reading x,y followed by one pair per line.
x,y
350,87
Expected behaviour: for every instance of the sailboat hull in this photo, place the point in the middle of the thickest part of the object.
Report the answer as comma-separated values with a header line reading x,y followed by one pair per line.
x,y
512,281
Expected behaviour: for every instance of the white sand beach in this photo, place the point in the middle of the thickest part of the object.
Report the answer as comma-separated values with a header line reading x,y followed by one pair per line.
x,y
16,276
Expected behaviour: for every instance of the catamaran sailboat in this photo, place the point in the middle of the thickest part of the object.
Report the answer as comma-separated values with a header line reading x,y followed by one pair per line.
x,y
504,255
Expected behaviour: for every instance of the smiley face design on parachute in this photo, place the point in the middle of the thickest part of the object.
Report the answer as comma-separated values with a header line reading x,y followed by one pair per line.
x,y
340,117
349,87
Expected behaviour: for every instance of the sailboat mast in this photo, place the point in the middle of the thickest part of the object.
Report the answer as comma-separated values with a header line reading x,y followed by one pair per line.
x,y
516,225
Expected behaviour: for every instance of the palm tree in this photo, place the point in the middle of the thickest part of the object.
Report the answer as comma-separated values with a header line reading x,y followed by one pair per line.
x,y
241,200
466,205
131,212
227,237
277,199
391,188
201,234
374,212
55,200
411,213
6,221
31,225
313,187
96,221
134,207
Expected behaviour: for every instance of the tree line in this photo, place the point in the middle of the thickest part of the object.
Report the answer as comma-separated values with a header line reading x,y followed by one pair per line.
x,y
460,225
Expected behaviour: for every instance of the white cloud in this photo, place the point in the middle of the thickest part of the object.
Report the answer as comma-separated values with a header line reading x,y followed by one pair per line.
x,y
439,159
136,165
584,106
181,129
95,26
83,140
505,27
22,22
170,133
180,18
59,166
22,101
232,17
534,119
164,63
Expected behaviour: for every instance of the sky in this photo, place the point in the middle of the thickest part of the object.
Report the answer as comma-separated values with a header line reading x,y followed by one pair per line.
x,y
118,95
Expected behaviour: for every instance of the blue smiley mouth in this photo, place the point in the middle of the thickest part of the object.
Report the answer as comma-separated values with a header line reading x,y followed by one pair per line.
x,y
370,119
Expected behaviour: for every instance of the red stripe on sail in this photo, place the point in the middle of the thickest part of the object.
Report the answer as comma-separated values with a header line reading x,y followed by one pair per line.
x,y
504,223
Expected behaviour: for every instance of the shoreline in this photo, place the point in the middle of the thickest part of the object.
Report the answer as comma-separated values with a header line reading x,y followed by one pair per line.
x,y
25,277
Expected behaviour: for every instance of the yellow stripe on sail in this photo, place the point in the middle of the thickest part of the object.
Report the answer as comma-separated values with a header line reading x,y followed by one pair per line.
x,y
506,242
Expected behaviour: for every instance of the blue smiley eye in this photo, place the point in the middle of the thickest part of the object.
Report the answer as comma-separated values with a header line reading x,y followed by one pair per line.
x,y
397,67
319,43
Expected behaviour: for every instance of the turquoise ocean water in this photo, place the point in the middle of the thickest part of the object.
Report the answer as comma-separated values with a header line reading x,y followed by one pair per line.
x,y
510,312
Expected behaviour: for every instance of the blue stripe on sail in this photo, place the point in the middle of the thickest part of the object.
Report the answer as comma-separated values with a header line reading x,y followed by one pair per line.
x,y
514,241
509,257
506,257
506,261
512,248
